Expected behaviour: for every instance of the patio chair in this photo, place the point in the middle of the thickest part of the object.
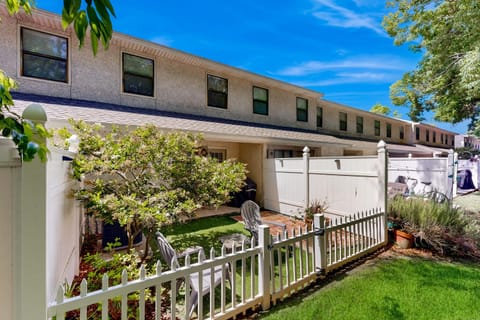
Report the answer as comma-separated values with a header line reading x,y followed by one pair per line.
x,y
250,212
169,254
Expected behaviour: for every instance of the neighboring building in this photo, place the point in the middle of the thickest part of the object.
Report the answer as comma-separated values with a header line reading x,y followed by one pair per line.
x,y
467,141
241,114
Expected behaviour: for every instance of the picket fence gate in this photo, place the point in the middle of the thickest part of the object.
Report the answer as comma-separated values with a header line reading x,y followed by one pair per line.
x,y
274,269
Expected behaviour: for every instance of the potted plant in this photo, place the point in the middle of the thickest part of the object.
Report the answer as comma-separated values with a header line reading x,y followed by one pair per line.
x,y
399,222
316,206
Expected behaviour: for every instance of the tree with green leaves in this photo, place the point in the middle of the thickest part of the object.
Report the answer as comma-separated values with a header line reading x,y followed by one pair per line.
x,y
447,78
143,178
92,15
379,108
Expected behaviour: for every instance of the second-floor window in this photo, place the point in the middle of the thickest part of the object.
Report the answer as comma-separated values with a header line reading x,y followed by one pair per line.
x,y
44,56
217,92
417,133
441,138
302,109
434,137
138,75
260,101
319,117
377,127
342,125
359,124
427,136
389,130
401,133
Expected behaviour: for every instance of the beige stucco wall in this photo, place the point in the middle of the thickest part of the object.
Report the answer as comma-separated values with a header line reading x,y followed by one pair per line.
x,y
431,130
232,149
252,155
179,86
332,113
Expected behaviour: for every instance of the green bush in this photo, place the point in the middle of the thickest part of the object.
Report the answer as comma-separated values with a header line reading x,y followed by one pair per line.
x,y
437,226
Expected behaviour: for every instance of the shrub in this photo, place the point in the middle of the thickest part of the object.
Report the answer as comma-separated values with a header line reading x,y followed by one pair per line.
x,y
437,226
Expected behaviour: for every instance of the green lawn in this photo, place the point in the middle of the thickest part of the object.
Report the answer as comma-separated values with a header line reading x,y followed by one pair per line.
x,y
204,232
469,202
398,288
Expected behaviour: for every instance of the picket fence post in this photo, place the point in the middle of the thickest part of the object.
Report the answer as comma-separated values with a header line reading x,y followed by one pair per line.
x,y
264,241
320,244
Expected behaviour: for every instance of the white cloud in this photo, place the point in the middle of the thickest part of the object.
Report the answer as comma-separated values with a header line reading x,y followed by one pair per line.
x,y
337,16
348,78
378,62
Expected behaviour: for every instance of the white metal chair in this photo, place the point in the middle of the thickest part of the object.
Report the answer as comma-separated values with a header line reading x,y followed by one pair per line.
x,y
250,212
169,255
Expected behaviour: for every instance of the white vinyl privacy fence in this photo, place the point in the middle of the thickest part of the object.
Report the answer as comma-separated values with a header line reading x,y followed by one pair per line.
x,y
40,230
425,174
346,184
470,168
261,274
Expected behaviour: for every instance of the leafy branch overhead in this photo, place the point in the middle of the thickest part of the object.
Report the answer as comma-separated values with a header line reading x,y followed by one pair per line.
x,y
447,78
29,137
96,15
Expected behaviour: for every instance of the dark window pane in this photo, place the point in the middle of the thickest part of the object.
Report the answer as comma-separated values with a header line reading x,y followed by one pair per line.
x,y
377,127
44,44
389,130
260,94
44,68
137,65
217,99
343,121
138,75
359,124
44,56
138,85
319,117
260,101
217,91
302,109
260,107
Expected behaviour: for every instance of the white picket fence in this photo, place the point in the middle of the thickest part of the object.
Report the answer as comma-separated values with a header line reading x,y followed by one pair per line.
x,y
262,274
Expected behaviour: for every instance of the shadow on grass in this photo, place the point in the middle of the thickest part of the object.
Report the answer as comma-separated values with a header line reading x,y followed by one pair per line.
x,y
204,232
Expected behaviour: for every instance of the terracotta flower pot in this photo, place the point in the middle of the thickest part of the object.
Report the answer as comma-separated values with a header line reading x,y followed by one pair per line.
x,y
404,240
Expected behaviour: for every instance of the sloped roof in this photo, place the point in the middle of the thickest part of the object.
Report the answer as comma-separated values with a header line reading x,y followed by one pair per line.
x,y
59,110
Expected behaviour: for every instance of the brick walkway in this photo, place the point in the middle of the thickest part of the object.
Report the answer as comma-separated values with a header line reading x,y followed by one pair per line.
x,y
290,222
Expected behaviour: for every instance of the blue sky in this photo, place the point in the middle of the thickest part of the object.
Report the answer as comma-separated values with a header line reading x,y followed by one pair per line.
x,y
338,48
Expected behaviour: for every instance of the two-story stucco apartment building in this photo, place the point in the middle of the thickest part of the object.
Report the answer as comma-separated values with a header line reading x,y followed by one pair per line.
x,y
242,115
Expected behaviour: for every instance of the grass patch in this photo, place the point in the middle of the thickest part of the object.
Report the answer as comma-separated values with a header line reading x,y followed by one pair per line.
x,y
204,232
393,289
